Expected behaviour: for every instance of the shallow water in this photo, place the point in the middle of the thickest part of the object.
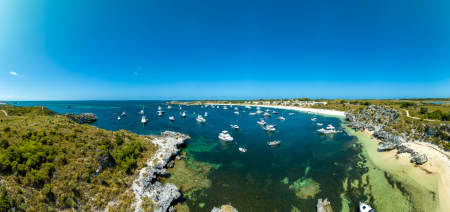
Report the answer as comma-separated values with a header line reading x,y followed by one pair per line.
x,y
305,167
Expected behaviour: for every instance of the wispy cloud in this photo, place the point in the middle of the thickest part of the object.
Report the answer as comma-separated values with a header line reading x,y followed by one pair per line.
x,y
13,73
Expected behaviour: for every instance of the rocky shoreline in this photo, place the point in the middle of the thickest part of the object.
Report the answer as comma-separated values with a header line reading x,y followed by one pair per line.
x,y
146,185
374,119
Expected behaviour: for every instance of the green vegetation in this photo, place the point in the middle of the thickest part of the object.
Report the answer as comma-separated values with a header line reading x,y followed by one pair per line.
x,y
49,162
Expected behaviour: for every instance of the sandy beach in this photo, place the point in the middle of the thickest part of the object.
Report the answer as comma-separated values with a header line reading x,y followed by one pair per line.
x,y
335,113
433,176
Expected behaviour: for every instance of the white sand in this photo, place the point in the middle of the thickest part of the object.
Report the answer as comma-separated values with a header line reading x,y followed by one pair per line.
x,y
433,175
335,113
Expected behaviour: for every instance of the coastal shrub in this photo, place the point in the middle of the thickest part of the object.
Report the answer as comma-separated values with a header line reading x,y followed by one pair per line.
x,y
6,129
4,143
408,104
423,110
126,155
5,203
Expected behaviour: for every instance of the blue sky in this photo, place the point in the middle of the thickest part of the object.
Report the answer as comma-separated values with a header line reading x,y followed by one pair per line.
x,y
197,49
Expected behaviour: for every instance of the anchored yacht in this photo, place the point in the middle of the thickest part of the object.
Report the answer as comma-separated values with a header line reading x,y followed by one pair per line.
x,y
118,118
183,114
225,136
313,119
261,122
236,112
266,114
269,128
273,143
206,114
200,119
123,114
291,114
252,114
281,118
234,126
171,118
144,120
160,113
242,149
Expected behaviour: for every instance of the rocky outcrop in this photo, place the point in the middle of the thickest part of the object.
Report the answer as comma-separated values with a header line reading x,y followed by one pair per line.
x,y
374,118
146,186
224,208
83,118
324,206
418,159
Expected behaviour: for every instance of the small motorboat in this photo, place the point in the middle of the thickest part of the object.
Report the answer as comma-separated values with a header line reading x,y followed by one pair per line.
x,y
206,114
259,111
169,107
313,119
235,108
252,114
200,119
160,113
144,120
171,118
274,112
183,114
266,114
225,107
363,207
319,124
291,114
225,136
236,112
242,149
123,114
273,143
269,128
118,118
159,108
234,126
261,122
248,107
281,118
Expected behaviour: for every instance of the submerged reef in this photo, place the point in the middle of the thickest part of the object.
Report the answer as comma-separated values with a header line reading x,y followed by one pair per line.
x,y
305,188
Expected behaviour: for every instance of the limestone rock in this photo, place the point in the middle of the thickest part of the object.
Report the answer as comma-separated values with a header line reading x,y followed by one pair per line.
x,y
324,206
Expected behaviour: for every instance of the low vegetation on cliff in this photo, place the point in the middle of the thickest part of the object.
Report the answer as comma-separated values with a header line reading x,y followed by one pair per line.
x,y
50,162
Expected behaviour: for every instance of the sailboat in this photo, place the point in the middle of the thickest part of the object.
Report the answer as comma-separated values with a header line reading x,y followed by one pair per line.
x,y
144,120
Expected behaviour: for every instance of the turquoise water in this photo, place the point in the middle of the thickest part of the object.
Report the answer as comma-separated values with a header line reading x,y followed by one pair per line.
x,y
262,179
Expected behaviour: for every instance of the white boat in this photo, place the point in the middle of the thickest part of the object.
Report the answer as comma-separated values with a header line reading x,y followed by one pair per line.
x,y
274,112
160,113
225,107
313,119
329,130
159,108
235,108
319,124
183,114
118,118
144,120
269,128
273,143
242,149
252,114
259,111
225,136
248,107
206,114
234,126
236,112
123,114
281,118
171,118
330,127
200,119
266,114
261,122
291,114
141,112
169,107
363,207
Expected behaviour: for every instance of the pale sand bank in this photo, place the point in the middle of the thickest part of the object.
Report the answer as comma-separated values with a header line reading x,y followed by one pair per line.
x,y
421,181
335,113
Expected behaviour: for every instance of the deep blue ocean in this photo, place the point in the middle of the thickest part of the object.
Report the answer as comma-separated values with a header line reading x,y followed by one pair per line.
x,y
250,181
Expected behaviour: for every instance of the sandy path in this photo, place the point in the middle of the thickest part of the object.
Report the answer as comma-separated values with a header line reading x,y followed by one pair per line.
x,y
4,112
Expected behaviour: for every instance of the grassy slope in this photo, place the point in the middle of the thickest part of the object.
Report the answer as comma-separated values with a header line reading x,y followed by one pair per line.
x,y
49,162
